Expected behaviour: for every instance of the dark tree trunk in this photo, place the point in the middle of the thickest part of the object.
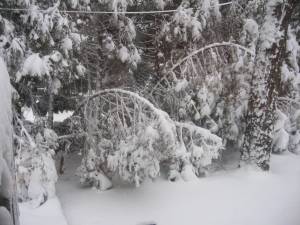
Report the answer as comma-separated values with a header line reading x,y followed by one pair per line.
x,y
266,86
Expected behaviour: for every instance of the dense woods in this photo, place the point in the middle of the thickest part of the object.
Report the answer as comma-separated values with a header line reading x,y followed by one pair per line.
x,y
167,92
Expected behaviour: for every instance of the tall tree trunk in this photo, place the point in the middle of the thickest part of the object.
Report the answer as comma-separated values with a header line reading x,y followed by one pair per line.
x,y
266,85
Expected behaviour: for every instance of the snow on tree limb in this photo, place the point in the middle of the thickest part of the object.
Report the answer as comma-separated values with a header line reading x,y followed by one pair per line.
x,y
35,168
171,73
128,135
286,99
206,134
132,94
209,47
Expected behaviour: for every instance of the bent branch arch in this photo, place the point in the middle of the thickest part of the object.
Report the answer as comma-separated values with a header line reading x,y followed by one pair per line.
x,y
167,124
214,45
194,53
124,113
121,125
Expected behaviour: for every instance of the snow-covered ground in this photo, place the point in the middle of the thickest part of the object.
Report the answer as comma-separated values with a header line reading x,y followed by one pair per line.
x,y
231,197
49,213
57,117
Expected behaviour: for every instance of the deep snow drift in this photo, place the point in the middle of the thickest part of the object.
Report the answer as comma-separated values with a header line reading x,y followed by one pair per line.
x,y
231,197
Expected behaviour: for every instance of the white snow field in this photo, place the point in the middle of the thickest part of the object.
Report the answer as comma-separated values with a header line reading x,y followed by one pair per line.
x,y
49,213
230,197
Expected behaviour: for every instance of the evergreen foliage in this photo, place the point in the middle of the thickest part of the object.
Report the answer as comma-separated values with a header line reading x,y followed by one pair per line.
x,y
150,92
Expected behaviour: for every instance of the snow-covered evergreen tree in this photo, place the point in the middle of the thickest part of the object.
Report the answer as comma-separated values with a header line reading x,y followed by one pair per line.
x,y
39,49
202,77
35,167
267,83
38,45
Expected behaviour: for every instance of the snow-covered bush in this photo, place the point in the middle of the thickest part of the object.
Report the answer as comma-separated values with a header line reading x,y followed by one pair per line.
x,y
294,142
202,146
281,135
90,171
130,138
294,138
35,167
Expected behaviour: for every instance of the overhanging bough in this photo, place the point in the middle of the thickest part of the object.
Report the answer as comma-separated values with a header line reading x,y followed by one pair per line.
x,y
128,137
199,64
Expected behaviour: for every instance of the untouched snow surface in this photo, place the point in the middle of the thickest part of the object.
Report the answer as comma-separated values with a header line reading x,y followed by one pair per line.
x,y
231,197
48,214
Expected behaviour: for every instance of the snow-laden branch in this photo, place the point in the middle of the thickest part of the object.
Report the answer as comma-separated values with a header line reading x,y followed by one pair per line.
x,y
75,135
164,118
138,137
285,99
214,45
146,102
206,134
225,3
166,124
207,47
25,132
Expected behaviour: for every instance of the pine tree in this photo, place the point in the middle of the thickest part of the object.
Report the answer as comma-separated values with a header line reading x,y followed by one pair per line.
x,y
39,46
266,82
41,56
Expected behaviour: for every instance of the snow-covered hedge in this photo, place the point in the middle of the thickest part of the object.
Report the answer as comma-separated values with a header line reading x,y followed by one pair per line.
x,y
35,167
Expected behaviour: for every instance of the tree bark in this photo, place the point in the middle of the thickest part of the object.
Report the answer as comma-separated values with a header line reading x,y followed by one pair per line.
x,y
266,86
